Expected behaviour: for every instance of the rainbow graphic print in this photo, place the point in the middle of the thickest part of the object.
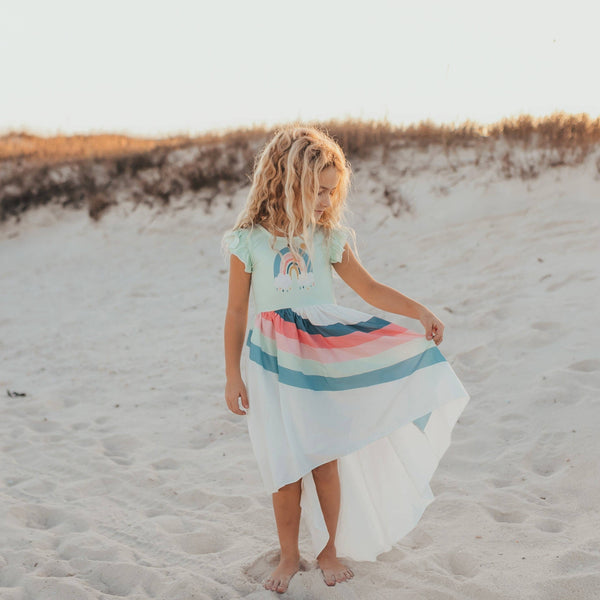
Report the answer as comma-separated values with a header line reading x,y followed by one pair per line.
x,y
285,265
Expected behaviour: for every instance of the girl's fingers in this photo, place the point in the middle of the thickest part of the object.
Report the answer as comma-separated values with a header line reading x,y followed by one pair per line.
x,y
243,400
234,407
436,328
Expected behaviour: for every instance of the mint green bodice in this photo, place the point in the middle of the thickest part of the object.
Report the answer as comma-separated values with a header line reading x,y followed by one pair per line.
x,y
278,279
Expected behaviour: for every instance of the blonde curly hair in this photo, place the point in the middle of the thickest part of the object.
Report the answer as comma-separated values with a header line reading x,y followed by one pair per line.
x,y
285,186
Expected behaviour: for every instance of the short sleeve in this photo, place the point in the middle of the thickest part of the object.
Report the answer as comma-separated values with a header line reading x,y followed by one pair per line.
x,y
236,242
337,241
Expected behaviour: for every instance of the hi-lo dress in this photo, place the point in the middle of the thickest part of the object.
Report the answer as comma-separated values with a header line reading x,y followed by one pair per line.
x,y
327,382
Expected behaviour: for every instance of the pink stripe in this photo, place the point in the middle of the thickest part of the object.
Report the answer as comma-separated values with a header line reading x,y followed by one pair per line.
x,y
332,348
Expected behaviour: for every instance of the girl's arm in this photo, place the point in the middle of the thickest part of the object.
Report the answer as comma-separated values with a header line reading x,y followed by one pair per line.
x,y
385,297
236,319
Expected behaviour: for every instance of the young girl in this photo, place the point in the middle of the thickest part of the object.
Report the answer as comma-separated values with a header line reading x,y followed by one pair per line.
x,y
348,414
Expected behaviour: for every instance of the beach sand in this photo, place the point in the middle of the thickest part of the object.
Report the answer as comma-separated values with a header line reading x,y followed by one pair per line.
x,y
123,473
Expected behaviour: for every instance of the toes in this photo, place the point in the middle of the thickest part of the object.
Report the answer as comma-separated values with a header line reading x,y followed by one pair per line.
x,y
277,583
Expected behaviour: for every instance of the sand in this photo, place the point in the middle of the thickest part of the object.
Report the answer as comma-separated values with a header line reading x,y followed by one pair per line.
x,y
123,473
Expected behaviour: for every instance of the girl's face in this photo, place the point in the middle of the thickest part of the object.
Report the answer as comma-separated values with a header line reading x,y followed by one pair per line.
x,y
328,180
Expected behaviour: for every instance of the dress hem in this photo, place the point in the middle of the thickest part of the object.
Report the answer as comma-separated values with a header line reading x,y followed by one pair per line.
x,y
465,398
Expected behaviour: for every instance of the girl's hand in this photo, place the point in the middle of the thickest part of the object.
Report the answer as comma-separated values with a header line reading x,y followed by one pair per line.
x,y
434,328
234,388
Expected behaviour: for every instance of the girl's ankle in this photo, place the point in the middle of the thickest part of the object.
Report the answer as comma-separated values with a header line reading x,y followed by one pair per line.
x,y
327,552
289,556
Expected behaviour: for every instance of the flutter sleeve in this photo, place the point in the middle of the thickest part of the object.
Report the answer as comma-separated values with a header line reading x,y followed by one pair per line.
x,y
236,242
337,241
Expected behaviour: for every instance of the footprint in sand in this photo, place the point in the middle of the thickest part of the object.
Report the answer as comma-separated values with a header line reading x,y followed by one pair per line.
x,y
119,448
511,516
38,516
546,326
576,561
550,525
548,454
458,562
207,540
567,586
43,426
165,463
501,483
586,366
463,563
546,466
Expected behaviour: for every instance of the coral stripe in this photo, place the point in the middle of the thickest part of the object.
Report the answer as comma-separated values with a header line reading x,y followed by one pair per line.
x,y
337,335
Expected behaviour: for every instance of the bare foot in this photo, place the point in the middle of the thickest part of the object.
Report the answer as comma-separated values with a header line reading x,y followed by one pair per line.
x,y
333,570
280,577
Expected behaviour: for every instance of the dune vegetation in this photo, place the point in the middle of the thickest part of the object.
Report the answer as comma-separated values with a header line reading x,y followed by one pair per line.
x,y
97,171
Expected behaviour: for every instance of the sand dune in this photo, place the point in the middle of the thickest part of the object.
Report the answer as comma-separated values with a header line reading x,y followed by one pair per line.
x,y
124,475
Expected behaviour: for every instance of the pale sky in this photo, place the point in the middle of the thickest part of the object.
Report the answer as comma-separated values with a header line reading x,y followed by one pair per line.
x,y
181,66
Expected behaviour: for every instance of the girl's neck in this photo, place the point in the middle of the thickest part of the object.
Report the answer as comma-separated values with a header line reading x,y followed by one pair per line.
x,y
276,230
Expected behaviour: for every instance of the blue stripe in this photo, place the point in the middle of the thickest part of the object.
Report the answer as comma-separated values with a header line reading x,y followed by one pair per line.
x,y
296,378
334,329
421,422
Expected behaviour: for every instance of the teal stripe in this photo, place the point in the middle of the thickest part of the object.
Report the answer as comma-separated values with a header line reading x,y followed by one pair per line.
x,y
356,359
296,378
333,329
421,422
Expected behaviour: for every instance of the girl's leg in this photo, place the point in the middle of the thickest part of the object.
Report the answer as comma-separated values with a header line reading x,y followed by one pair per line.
x,y
286,505
327,482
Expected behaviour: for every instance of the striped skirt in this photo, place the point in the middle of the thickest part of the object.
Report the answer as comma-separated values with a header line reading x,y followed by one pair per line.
x,y
329,382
